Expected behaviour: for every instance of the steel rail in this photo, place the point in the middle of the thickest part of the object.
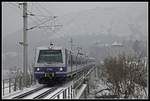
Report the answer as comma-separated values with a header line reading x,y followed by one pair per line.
x,y
56,94
45,93
28,93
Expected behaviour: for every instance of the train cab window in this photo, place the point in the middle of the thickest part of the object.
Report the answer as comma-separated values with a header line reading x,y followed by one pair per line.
x,y
50,56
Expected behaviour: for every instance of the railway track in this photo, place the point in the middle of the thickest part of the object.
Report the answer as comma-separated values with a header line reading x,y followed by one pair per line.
x,y
45,93
56,94
38,93
28,93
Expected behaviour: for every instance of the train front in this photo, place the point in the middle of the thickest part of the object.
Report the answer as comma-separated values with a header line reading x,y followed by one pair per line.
x,y
49,65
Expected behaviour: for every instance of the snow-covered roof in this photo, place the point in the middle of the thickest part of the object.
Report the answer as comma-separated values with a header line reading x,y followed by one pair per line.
x,y
48,47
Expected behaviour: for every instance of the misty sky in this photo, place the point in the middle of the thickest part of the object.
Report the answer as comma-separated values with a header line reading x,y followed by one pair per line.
x,y
99,19
12,15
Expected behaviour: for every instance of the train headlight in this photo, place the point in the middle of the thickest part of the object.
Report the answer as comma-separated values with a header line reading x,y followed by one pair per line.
x,y
61,69
38,69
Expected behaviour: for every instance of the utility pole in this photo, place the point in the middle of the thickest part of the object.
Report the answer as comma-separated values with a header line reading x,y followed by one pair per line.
x,y
25,45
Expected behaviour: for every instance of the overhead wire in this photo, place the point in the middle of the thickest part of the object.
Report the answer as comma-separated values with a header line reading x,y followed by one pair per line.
x,y
41,11
45,9
27,11
38,15
40,19
14,5
35,16
40,24
37,8
37,21
54,21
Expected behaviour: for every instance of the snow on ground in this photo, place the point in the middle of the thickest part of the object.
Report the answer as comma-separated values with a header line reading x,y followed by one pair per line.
x,y
62,87
99,85
6,88
81,91
51,94
18,92
37,93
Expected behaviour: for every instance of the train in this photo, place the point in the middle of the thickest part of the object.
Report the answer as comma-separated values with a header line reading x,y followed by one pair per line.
x,y
59,64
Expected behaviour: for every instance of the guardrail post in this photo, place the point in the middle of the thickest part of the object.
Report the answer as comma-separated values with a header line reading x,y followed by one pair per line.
x,y
31,79
68,93
34,80
15,84
58,96
65,96
71,91
3,87
20,83
29,84
9,85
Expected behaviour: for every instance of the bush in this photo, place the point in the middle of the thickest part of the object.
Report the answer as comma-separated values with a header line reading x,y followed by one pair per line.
x,y
125,75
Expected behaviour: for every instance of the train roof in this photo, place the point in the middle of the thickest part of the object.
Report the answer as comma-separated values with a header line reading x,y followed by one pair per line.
x,y
56,48
48,47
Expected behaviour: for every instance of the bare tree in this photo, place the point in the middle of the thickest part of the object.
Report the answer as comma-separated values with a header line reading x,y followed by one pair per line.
x,y
125,76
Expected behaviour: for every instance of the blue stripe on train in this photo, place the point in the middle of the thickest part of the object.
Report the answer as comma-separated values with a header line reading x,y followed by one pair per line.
x,y
49,69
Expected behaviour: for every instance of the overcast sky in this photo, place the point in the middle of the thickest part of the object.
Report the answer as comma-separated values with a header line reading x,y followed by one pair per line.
x,y
92,21
12,15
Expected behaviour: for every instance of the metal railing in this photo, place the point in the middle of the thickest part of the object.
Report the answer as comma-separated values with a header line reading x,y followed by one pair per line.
x,y
72,91
67,93
13,84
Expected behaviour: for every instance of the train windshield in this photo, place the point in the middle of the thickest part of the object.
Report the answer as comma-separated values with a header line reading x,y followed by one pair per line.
x,y
50,56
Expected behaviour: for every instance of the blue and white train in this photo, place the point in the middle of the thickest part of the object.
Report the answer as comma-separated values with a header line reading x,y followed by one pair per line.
x,y
57,64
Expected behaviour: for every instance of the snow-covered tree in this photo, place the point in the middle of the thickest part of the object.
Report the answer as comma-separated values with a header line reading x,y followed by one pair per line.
x,y
125,76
